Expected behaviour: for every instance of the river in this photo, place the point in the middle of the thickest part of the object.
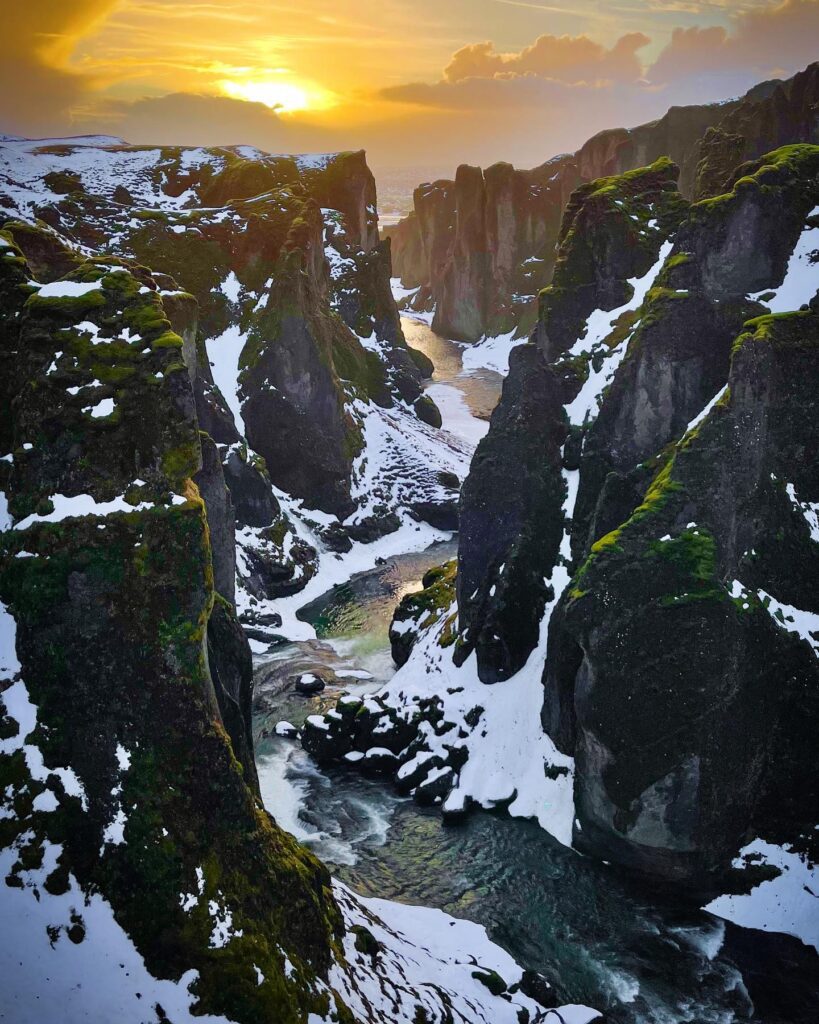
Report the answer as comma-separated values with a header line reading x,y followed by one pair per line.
x,y
602,937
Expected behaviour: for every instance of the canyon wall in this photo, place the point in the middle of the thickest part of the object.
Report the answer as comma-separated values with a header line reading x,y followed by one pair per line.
x,y
477,250
638,545
182,330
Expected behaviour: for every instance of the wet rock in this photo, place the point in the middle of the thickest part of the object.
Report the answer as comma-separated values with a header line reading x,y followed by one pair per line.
x,y
443,515
434,788
379,761
538,988
308,684
286,729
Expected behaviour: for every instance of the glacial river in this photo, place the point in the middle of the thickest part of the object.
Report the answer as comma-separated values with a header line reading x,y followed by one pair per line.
x,y
602,937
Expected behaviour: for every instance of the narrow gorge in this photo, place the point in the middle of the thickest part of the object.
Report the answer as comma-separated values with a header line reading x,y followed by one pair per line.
x,y
413,624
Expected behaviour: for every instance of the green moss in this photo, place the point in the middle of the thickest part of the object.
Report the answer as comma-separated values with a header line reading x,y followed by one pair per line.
x,y
692,552
70,309
362,368
427,606
773,170
168,339
609,542
660,490
679,259
181,462
492,980
782,330
622,328
151,215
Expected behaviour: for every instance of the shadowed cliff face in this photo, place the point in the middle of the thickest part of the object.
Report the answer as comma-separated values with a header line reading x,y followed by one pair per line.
x,y
479,249
135,667
638,533
693,702
668,637
511,502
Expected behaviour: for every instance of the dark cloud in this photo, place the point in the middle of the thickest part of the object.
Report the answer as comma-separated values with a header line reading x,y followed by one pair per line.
x,y
37,89
202,120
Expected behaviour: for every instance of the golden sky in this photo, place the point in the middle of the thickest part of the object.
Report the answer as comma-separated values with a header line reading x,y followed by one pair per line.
x,y
417,82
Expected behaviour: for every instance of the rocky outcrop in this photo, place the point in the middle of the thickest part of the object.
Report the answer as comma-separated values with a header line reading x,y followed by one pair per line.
x,y
478,249
704,522
511,502
678,358
780,113
416,612
675,135
250,223
510,520
694,696
612,232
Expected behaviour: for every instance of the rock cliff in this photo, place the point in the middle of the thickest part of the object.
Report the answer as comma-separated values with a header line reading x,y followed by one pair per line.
x,y
126,702
271,271
478,249
638,541
142,878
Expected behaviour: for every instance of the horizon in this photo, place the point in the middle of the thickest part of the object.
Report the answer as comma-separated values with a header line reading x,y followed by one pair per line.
x,y
475,81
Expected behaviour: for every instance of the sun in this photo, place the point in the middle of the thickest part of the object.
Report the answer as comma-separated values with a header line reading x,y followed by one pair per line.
x,y
284,97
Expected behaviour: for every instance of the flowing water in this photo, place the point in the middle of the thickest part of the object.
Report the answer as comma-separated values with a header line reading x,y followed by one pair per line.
x,y
601,937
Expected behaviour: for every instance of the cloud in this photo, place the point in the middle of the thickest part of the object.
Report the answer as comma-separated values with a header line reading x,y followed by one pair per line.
x,y
762,43
553,70
563,58
37,88
202,120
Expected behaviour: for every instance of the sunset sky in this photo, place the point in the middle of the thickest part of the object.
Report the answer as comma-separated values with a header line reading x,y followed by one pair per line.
x,y
415,82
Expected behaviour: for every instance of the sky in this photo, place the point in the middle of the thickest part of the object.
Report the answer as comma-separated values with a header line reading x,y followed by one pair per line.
x,y
418,83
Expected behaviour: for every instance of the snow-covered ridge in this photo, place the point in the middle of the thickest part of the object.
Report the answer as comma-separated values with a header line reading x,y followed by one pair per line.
x,y
101,164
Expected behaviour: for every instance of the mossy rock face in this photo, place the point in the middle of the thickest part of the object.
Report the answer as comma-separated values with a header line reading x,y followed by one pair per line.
x,y
418,612
764,120
684,682
130,605
428,411
678,356
294,410
106,399
230,227
138,669
612,230
741,240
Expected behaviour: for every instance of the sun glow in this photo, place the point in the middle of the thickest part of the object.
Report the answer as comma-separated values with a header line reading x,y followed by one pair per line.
x,y
284,97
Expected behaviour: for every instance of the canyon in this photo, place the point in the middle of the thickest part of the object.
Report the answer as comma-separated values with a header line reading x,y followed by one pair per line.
x,y
216,422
